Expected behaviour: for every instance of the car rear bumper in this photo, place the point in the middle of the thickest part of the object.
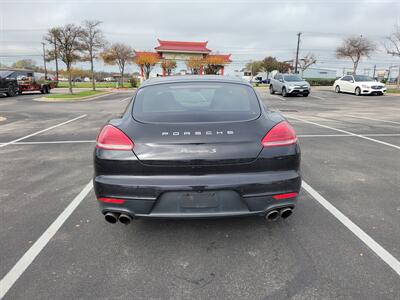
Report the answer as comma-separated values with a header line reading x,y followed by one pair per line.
x,y
201,196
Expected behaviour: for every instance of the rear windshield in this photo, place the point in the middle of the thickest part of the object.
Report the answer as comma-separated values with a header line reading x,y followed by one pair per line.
x,y
195,102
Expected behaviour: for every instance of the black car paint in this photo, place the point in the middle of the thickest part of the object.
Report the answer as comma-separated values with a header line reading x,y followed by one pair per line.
x,y
9,86
157,167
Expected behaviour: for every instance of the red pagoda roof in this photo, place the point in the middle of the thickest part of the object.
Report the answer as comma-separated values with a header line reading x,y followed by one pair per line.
x,y
195,47
225,57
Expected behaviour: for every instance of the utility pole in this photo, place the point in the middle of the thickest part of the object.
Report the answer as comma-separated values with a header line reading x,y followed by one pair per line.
x,y
56,56
373,76
297,52
388,76
44,61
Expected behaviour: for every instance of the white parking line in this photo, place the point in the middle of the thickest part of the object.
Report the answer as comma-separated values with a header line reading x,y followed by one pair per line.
x,y
279,97
373,119
41,131
127,98
346,135
23,263
320,98
53,142
362,235
347,132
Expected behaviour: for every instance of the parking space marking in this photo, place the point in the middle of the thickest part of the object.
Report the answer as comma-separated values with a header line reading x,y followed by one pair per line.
x,y
43,130
347,135
53,142
279,97
373,119
320,98
23,263
347,132
122,100
361,234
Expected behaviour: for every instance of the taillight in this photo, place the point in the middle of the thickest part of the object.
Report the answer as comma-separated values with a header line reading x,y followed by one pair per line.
x,y
285,196
281,134
111,200
111,138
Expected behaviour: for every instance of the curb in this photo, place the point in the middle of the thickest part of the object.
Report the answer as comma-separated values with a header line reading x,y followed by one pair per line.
x,y
80,99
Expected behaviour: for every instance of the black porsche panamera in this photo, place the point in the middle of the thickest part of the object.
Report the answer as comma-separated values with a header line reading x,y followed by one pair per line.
x,y
196,147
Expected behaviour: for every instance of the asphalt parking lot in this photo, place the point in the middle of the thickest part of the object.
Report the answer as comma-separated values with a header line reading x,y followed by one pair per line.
x,y
343,240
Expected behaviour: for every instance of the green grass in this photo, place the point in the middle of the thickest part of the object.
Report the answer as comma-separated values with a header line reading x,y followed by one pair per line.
x,y
74,95
393,91
89,85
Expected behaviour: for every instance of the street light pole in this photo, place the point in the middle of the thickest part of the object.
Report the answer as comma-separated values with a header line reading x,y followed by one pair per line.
x,y
44,61
297,52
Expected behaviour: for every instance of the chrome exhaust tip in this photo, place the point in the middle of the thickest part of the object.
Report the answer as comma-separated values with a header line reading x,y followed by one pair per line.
x,y
273,215
111,217
125,219
286,212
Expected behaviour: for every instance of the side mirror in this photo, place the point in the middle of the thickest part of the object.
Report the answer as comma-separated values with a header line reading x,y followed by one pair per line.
x,y
352,81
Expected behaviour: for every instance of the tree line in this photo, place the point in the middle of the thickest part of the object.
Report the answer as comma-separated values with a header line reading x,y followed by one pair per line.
x,y
73,43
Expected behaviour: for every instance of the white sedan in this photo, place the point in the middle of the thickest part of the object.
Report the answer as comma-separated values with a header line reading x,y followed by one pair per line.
x,y
359,85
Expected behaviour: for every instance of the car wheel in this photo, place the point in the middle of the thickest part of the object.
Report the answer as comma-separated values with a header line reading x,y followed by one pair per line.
x,y
284,93
271,89
305,94
337,89
358,91
11,91
47,90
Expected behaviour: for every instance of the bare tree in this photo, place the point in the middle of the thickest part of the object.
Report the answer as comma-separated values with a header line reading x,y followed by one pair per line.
x,y
92,41
392,46
51,38
355,48
120,55
69,47
306,62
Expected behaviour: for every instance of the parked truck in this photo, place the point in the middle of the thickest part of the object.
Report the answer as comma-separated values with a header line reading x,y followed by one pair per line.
x,y
8,85
30,81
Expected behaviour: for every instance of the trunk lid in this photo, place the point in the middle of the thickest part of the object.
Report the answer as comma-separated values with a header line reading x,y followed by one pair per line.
x,y
197,144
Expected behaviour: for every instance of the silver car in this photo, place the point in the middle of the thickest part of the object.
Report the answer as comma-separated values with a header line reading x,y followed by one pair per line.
x,y
289,84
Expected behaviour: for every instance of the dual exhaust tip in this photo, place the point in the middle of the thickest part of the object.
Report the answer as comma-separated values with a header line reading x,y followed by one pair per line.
x,y
112,217
274,215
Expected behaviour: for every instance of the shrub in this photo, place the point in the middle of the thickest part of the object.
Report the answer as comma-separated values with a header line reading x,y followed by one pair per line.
x,y
320,81
134,81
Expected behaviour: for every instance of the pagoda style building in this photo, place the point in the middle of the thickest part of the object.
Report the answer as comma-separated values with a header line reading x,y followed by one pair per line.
x,y
183,51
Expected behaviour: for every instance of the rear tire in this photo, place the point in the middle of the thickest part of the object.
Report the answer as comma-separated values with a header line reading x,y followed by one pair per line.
x,y
284,93
271,89
357,91
337,89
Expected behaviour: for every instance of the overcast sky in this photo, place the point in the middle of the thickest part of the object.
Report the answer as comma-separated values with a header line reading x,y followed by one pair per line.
x,y
246,29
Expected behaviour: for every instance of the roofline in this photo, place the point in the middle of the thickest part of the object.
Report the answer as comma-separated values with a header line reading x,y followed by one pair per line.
x,y
189,78
182,51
